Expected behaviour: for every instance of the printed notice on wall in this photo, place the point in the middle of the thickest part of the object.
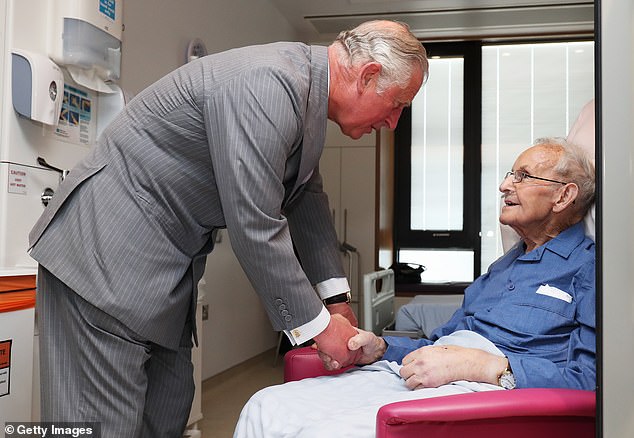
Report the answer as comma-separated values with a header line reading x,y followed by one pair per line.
x,y
5,366
17,179
77,120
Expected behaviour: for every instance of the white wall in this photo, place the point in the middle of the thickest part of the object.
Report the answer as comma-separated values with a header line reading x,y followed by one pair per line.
x,y
154,43
617,57
157,33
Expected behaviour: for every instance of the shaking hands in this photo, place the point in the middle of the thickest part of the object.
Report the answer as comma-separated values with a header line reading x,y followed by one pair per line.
x,y
341,345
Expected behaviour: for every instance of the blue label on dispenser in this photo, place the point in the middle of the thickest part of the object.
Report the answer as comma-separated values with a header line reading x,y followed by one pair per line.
x,y
107,8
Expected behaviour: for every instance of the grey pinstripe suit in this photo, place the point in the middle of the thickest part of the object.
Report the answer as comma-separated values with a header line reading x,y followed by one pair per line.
x,y
224,141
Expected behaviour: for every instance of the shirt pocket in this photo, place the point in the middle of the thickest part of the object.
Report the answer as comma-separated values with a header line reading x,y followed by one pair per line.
x,y
537,314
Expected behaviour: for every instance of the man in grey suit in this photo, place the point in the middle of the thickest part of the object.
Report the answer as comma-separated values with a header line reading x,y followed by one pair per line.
x,y
233,141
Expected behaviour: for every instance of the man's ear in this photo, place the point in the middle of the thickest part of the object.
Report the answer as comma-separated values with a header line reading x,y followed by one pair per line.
x,y
367,74
567,197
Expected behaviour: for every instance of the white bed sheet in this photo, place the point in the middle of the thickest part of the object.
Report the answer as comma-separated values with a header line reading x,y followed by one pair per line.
x,y
344,405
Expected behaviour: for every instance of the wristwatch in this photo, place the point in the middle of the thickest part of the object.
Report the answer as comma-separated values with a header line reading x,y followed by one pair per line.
x,y
341,298
507,380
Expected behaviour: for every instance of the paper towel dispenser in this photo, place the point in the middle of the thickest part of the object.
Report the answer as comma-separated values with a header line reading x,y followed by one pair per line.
x,y
37,86
86,40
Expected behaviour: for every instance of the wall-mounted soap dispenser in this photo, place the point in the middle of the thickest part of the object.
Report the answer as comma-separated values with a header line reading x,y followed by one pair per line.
x,y
37,86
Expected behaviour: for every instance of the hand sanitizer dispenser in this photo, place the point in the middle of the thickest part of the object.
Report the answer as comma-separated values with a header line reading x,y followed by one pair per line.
x,y
37,87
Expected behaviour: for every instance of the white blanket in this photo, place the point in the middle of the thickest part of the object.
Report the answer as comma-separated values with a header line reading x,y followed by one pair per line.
x,y
343,405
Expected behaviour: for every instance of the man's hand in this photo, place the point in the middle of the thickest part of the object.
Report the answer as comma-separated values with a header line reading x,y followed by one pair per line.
x,y
370,347
436,365
333,342
344,310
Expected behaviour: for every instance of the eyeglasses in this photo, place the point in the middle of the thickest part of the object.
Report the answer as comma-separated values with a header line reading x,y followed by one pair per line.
x,y
519,176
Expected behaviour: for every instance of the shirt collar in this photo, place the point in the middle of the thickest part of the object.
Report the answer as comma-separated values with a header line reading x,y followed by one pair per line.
x,y
563,244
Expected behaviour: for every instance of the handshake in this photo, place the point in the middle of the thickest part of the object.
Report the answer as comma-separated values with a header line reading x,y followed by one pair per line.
x,y
342,344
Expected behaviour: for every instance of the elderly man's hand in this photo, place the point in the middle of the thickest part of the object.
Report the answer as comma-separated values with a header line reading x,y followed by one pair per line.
x,y
372,347
333,343
436,365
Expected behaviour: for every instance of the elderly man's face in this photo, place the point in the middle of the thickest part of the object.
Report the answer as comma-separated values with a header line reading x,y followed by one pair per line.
x,y
528,204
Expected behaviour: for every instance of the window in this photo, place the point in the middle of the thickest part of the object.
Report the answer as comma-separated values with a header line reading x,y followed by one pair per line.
x,y
528,91
481,106
437,162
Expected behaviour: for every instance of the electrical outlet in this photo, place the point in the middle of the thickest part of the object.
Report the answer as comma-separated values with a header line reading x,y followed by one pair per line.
x,y
205,312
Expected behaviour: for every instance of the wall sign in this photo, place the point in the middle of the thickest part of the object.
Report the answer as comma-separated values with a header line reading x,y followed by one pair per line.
x,y
5,366
17,180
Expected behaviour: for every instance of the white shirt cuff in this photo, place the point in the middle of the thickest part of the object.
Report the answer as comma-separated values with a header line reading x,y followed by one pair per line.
x,y
332,287
308,331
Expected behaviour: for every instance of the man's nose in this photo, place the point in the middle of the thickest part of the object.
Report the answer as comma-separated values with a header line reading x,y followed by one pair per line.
x,y
506,184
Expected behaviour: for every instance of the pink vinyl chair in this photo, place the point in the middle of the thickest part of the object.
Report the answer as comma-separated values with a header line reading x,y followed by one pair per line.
x,y
518,413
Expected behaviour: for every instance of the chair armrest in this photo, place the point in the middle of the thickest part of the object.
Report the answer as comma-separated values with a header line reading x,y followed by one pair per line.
x,y
304,362
530,412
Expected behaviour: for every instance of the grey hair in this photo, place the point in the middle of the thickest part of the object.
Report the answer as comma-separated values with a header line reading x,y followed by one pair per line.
x,y
393,46
574,165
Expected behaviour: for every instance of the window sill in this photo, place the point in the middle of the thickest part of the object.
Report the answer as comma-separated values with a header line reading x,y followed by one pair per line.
x,y
412,289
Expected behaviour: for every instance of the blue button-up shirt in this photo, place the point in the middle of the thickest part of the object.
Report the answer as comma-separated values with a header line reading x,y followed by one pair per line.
x,y
538,308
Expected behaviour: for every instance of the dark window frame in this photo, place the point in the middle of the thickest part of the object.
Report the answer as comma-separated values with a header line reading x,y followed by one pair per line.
x,y
469,237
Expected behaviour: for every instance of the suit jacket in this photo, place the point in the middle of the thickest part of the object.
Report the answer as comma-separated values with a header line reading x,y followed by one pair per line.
x,y
230,140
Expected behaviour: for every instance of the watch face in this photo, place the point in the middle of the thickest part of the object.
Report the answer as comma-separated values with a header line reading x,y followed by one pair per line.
x,y
507,380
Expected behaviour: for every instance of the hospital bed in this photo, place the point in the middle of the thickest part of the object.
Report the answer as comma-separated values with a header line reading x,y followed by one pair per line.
x,y
520,413
415,319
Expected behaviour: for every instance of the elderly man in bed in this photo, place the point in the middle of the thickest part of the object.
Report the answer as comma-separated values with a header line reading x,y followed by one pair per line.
x,y
528,322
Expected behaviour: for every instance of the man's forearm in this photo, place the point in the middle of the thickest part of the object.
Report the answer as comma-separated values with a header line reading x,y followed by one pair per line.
x,y
398,347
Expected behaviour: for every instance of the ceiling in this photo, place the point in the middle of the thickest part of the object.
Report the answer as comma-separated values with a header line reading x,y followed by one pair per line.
x,y
321,20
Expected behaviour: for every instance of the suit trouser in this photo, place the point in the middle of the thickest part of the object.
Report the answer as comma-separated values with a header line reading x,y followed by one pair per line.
x,y
95,369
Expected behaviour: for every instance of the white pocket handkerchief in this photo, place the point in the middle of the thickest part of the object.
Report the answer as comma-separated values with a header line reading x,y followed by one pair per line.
x,y
551,291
